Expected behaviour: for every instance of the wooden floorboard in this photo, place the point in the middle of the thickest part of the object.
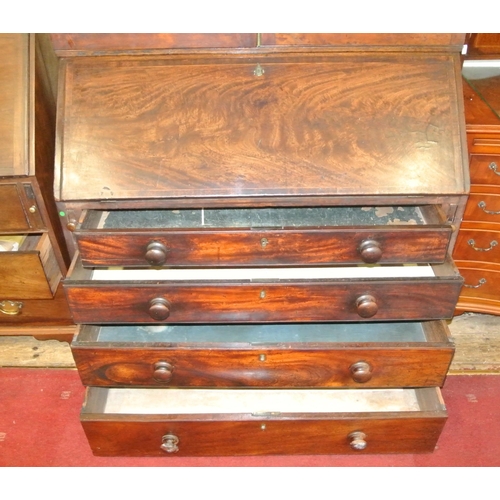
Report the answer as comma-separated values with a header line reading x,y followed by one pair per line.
x,y
476,336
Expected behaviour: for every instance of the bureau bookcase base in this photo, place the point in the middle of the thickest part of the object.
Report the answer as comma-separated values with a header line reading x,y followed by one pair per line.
x,y
261,230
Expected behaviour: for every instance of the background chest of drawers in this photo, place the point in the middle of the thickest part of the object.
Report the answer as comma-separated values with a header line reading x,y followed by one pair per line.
x,y
33,256
261,229
477,253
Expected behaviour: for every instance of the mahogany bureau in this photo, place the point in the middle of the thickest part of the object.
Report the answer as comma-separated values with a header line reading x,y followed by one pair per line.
x,y
261,229
33,255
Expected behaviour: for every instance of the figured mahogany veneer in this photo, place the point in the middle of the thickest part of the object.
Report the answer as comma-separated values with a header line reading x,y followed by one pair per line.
x,y
262,300
305,236
264,355
208,432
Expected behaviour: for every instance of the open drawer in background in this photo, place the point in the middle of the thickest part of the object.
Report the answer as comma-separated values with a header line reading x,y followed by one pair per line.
x,y
264,236
298,355
28,267
263,295
206,422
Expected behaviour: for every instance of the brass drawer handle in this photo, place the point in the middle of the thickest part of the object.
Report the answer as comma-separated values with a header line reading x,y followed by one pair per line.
x,y
481,282
482,205
472,243
357,440
156,253
366,306
361,372
163,371
370,251
493,166
11,307
169,443
159,308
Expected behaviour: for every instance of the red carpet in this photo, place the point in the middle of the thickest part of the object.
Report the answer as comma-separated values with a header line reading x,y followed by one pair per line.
x,y
40,427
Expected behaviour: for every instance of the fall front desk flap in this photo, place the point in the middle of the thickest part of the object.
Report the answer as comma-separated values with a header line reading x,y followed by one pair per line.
x,y
267,125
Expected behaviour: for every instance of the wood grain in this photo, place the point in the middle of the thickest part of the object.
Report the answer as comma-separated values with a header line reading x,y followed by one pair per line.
x,y
221,131
14,104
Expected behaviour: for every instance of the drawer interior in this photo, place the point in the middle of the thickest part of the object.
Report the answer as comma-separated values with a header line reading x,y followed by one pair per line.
x,y
271,335
256,274
259,402
226,218
31,267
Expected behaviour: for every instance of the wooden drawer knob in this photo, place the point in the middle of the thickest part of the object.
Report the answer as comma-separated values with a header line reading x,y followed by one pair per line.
x,y
361,372
370,251
156,253
357,440
163,371
366,306
169,443
159,308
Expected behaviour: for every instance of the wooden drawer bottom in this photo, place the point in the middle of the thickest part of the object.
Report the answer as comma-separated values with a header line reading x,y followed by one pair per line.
x,y
225,422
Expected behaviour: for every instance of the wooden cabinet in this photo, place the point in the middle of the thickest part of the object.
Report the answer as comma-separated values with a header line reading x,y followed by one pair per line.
x,y
261,238
33,255
476,252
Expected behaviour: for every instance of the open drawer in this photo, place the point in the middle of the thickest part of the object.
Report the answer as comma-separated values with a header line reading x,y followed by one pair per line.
x,y
288,355
261,295
204,422
28,267
263,236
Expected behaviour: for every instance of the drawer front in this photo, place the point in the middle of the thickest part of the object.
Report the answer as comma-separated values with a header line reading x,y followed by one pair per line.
x,y
39,312
244,127
270,236
478,244
485,169
367,429
319,355
329,300
483,207
20,211
31,272
484,144
481,290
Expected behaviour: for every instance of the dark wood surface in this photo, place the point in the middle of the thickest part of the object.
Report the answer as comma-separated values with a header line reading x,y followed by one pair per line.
x,y
267,364
266,301
403,41
209,434
291,437
104,43
396,242
220,131
149,41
